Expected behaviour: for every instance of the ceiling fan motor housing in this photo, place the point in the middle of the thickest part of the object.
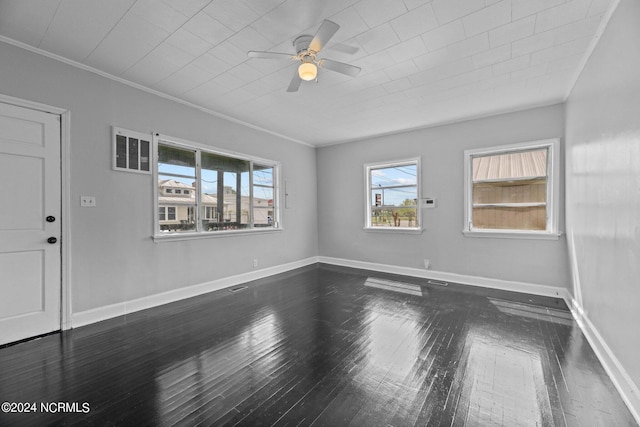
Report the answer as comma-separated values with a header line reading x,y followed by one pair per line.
x,y
302,43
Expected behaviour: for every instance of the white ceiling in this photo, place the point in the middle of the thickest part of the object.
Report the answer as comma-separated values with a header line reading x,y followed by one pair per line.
x,y
424,62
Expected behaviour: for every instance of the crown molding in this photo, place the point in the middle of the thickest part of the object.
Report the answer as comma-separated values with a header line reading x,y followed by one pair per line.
x,y
143,88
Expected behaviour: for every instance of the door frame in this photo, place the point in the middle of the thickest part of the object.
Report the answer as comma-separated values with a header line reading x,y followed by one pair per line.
x,y
65,196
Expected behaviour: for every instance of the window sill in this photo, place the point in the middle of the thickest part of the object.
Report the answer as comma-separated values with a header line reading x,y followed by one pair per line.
x,y
173,237
394,230
512,234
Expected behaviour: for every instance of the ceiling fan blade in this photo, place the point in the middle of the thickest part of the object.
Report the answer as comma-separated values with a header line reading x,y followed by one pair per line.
x,y
323,35
269,55
295,82
340,67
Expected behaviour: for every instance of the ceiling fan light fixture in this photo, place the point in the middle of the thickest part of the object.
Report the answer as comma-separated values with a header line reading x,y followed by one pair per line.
x,y
307,49
307,71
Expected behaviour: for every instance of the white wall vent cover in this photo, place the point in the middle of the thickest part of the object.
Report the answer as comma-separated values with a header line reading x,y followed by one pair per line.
x,y
131,151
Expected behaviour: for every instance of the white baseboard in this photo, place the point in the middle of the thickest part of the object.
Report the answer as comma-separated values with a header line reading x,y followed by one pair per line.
x,y
628,390
506,285
119,309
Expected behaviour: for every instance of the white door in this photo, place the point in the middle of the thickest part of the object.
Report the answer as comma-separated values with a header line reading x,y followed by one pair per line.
x,y
30,259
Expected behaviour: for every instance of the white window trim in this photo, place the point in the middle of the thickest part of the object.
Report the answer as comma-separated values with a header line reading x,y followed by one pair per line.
x,y
158,138
553,191
368,202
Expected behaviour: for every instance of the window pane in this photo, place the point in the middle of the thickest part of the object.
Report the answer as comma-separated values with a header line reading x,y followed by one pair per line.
x,y
225,192
509,191
176,161
226,197
263,200
398,175
393,194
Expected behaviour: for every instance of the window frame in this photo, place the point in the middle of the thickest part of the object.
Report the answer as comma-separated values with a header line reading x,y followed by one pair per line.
x,y
552,190
198,148
368,201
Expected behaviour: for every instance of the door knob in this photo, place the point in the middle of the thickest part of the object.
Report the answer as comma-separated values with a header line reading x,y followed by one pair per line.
x,y
51,218
52,240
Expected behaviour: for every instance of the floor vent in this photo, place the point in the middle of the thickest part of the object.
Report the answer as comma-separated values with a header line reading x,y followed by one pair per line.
x,y
390,285
437,282
238,289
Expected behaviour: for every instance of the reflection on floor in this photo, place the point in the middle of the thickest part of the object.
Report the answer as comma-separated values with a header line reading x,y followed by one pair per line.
x,y
395,286
317,347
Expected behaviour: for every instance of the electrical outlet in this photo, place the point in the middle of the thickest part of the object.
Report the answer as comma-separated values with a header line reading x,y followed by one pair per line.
x,y
427,264
255,263
87,201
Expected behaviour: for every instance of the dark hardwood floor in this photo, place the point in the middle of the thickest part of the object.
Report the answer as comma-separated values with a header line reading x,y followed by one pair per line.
x,y
317,347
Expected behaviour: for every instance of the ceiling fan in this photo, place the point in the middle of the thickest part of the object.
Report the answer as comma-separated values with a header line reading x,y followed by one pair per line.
x,y
307,48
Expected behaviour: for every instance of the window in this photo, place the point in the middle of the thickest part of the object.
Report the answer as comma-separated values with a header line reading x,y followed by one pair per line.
x,y
512,191
171,213
209,213
205,192
393,190
166,213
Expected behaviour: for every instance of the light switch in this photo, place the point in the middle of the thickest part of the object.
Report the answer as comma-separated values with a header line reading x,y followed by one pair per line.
x,y
87,201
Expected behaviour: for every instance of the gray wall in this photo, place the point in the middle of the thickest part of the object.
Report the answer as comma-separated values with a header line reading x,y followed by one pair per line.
x,y
113,256
341,201
603,186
